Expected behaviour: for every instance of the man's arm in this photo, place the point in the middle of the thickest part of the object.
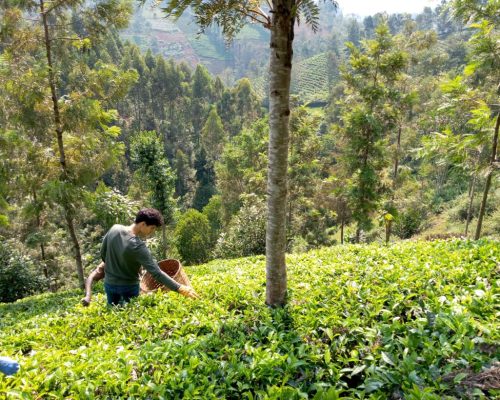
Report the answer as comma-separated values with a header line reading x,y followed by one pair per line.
x,y
149,263
95,275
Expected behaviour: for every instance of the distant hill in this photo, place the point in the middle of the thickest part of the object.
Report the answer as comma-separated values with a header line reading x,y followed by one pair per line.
x,y
182,41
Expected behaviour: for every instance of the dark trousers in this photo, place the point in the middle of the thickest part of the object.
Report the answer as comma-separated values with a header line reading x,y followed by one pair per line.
x,y
117,294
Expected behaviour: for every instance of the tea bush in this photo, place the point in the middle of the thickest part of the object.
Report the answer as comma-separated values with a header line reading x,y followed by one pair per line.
x,y
413,320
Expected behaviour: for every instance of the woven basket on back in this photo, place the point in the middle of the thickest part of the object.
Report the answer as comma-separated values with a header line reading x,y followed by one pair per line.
x,y
172,268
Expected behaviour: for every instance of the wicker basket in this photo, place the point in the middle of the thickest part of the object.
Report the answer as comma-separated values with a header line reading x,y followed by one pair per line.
x,y
172,268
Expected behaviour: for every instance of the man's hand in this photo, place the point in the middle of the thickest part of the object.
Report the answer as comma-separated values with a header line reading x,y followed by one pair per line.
x,y
188,291
85,301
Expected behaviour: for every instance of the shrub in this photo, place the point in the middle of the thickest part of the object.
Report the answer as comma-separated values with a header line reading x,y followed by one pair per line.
x,y
18,275
460,206
192,237
491,224
213,211
246,232
410,222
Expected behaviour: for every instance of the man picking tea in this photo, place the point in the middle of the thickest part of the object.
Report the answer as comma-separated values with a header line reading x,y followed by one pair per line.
x,y
123,252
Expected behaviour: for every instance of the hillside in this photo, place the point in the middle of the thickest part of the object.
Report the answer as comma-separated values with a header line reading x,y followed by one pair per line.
x,y
310,80
182,40
413,320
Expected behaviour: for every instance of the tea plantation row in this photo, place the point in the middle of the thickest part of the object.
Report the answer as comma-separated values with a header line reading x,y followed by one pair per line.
x,y
415,320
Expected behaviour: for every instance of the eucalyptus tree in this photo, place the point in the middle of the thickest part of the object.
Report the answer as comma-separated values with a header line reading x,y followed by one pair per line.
x,y
39,39
241,167
213,137
280,17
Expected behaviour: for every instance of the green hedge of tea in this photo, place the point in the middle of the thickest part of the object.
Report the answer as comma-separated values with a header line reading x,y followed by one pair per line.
x,y
415,320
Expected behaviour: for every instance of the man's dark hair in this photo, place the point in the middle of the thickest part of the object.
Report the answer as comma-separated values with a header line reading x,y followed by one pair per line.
x,y
150,216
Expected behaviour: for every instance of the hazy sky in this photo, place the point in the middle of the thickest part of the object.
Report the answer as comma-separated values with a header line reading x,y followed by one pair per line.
x,y
369,7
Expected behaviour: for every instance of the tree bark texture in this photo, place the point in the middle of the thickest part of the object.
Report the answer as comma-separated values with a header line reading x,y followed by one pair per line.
x,y
280,66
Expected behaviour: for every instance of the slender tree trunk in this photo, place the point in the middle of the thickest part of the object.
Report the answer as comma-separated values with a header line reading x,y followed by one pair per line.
x,y
342,231
471,200
488,179
396,161
280,65
39,226
68,213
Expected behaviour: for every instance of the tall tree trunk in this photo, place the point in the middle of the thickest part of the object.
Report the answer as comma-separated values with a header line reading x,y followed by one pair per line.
x,y
342,231
280,65
488,179
68,214
396,161
471,200
39,226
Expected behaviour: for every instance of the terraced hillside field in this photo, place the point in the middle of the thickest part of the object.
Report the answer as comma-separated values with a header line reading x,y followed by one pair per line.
x,y
310,80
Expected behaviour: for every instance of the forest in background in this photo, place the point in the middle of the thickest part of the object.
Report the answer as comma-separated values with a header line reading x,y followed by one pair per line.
x,y
142,130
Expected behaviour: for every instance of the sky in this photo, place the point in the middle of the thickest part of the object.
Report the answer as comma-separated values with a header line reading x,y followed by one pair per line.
x,y
370,7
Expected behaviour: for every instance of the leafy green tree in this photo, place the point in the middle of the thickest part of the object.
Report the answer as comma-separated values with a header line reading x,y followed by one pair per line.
x,y
140,92
192,236
241,168
425,19
368,116
202,94
485,66
148,156
246,105
50,45
185,178
245,233
369,26
213,212
472,97
280,20
213,136
461,146
24,186
110,207
205,178
353,32
305,176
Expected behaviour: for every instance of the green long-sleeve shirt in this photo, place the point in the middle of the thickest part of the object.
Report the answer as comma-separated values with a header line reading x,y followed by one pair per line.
x,y
124,254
